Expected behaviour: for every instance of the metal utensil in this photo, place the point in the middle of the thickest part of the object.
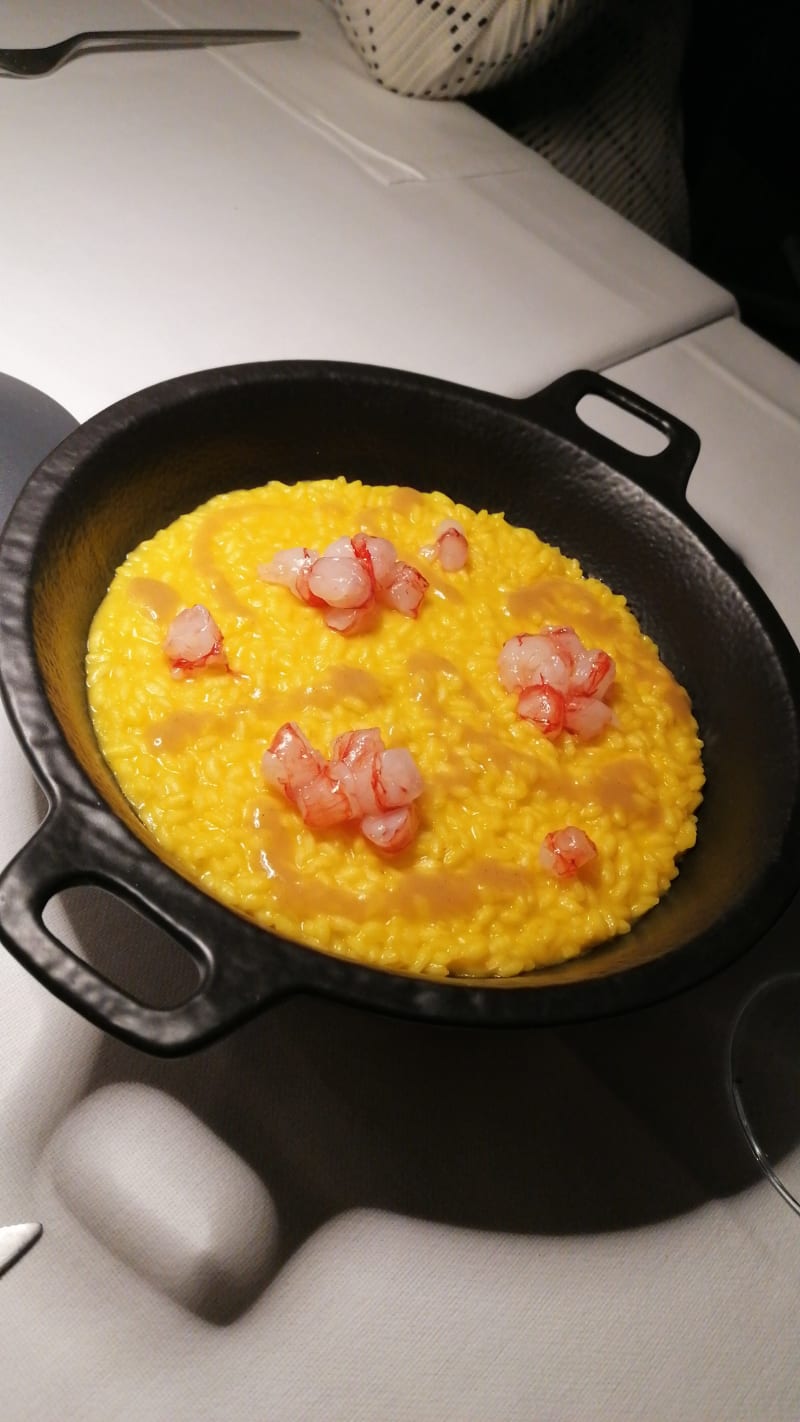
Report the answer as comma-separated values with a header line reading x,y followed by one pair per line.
x,y
33,63
16,1240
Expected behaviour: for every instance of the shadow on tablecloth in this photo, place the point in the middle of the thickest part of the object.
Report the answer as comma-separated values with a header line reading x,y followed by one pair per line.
x,y
610,1125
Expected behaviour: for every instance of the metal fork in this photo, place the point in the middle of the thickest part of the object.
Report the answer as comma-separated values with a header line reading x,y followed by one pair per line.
x,y
32,63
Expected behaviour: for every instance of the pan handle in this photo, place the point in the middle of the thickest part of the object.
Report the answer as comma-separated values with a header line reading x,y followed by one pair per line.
x,y
64,853
666,474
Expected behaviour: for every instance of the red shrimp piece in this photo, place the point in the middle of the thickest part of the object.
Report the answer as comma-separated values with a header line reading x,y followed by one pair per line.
x,y
383,557
355,760
283,567
291,569
363,781
347,578
349,620
530,659
566,851
340,582
293,765
451,546
375,778
398,780
194,641
324,802
303,588
406,589
363,556
290,761
357,747
393,830
566,642
340,548
593,674
377,554
586,716
545,707
376,560
561,683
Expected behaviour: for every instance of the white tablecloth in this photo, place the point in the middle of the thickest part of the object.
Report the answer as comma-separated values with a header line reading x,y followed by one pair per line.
x,y
169,212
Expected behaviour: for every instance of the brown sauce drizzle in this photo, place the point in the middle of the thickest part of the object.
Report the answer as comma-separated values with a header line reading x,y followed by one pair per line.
x,y
557,601
425,662
341,682
181,728
404,499
628,785
437,588
427,669
413,894
159,599
337,684
548,775
202,555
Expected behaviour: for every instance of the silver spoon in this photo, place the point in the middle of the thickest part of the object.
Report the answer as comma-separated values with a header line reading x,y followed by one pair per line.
x,y
32,63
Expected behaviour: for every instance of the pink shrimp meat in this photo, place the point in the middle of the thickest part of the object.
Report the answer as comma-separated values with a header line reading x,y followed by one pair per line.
x,y
291,568
291,762
349,620
340,582
194,641
363,782
450,546
562,685
565,851
593,673
393,830
349,580
586,716
405,590
531,659
544,706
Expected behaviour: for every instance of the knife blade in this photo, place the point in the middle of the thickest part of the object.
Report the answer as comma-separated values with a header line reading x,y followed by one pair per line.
x,y
16,1240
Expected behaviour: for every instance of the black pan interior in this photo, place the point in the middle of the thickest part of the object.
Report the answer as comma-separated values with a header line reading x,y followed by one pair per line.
x,y
117,481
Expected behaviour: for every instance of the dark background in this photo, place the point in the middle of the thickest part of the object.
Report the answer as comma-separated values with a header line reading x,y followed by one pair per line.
x,y
742,117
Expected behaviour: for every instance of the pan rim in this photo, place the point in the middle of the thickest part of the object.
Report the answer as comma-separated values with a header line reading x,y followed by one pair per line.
x,y
58,770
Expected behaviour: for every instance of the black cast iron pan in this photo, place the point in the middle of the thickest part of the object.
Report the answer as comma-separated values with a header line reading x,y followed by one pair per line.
x,y
141,463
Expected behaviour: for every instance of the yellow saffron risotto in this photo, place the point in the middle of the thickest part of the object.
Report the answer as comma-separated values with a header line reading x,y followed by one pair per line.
x,y
469,896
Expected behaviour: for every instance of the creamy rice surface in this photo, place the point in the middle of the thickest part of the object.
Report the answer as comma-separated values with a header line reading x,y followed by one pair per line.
x,y
469,896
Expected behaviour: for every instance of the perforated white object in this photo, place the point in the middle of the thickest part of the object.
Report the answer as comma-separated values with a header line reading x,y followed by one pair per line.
x,y
592,85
